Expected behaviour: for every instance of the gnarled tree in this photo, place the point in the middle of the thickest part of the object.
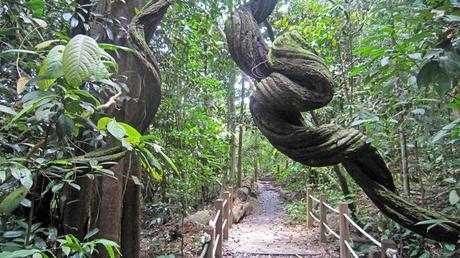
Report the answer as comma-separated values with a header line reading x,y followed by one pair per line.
x,y
292,79
116,211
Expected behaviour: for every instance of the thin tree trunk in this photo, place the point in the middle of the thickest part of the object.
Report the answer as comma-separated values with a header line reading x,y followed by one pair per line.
x,y
256,158
119,211
231,128
240,136
404,167
419,172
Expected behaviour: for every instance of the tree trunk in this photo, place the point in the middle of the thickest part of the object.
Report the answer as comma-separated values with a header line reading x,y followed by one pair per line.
x,y
404,167
420,173
256,158
231,128
240,135
113,205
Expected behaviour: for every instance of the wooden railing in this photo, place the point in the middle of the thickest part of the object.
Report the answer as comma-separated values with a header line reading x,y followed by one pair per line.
x,y
387,246
218,229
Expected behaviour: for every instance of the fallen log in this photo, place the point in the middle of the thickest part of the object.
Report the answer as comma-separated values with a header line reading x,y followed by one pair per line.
x,y
244,202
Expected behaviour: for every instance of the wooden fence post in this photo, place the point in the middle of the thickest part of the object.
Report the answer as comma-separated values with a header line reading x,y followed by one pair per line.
x,y
212,233
387,244
322,217
309,208
344,229
218,204
226,218
230,206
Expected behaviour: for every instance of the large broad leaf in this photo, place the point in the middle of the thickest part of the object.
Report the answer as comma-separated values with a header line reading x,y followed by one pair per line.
x,y
132,135
451,63
80,60
64,126
19,253
32,106
433,74
36,6
453,197
116,130
13,200
52,67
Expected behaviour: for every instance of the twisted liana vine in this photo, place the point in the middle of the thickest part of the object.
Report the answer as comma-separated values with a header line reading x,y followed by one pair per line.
x,y
292,79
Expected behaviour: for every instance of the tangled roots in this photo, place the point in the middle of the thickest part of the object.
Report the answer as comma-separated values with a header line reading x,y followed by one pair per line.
x,y
292,79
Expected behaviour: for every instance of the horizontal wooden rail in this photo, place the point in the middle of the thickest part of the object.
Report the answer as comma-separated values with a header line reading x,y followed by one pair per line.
x,y
332,231
350,249
377,243
330,208
218,229
313,216
314,199
387,246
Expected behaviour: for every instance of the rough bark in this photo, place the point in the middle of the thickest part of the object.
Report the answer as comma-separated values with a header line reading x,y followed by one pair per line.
x,y
116,208
292,80
244,202
144,84
404,167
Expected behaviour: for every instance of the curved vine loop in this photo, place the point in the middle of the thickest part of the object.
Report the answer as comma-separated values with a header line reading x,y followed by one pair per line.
x,y
292,79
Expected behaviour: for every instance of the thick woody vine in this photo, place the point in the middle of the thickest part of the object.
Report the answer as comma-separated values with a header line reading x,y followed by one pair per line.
x,y
291,80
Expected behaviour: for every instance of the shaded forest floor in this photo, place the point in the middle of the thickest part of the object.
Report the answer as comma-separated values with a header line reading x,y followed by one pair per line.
x,y
268,232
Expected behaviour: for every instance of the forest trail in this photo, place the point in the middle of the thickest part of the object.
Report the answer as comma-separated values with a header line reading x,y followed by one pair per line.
x,y
267,233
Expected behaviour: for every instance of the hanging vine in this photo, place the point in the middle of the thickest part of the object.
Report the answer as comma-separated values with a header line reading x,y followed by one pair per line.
x,y
292,79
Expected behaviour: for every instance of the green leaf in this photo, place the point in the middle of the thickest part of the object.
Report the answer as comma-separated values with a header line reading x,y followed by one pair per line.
x,y
127,145
46,44
363,121
19,253
116,130
85,96
36,6
13,200
168,160
152,161
433,74
453,197
102,123
7,110
133,136
52,67
28,109
23,51
147,160
91,233
445,130
109,246
80,60
13,234
64,126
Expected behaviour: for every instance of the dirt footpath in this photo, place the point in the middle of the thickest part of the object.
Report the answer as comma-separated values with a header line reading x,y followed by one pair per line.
x,y
267,233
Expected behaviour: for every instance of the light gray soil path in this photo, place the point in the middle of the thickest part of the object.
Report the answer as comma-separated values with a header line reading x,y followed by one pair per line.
x,y
267,233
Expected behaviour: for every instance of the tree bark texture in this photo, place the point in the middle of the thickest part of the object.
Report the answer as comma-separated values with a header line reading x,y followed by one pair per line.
x,y
404,167
292,80
115,209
